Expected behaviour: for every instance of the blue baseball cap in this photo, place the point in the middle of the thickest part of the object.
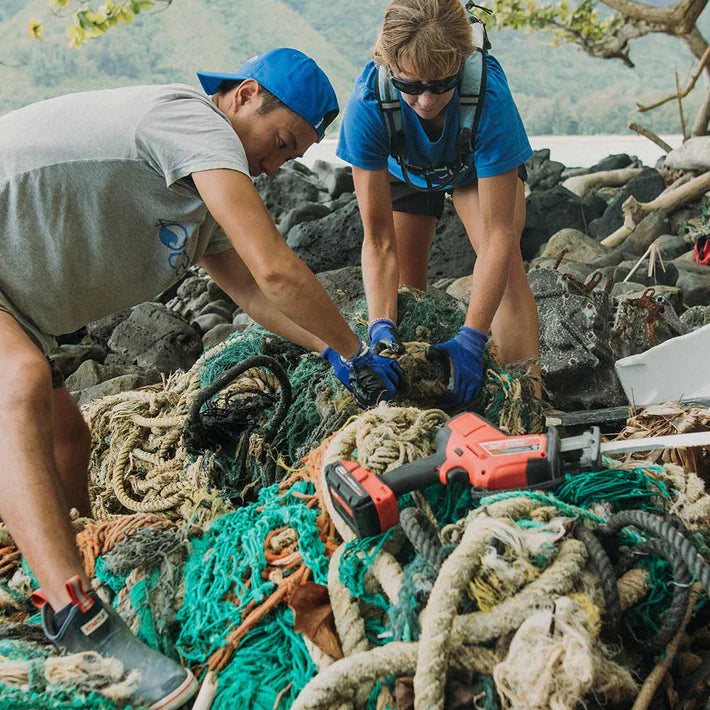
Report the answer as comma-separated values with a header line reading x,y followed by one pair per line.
x,y
293,78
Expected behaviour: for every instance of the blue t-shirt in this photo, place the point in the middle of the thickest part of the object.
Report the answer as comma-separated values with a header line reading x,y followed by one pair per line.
x,y
500,145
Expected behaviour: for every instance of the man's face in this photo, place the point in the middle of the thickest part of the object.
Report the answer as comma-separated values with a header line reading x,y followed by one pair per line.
x,y
269,139
426,105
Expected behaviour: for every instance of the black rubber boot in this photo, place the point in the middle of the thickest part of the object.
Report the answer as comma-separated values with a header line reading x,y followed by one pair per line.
x,y
91,625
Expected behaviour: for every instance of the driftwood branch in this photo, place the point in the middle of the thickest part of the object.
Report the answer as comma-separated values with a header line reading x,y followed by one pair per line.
x,y
669,201
648,133
680,108
582,184
680,94
702,118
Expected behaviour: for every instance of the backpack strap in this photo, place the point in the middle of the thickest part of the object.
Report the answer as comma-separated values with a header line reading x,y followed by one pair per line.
x,y
471,92
472,88
388,98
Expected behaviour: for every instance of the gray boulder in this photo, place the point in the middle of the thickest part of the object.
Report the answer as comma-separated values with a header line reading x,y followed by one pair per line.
x,y
218,334
543,173
289,187
460,289
336,179
67,358
549,211
594,206
647,185
651,227
91,373
695,287
154,337
242,321
123,383
616,161
667,277
223,308
303,213
672,246
344,286
329,243
192,287
575,245
205,322
100,330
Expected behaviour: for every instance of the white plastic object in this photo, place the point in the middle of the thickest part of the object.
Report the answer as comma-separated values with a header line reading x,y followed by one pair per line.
x,y
677,369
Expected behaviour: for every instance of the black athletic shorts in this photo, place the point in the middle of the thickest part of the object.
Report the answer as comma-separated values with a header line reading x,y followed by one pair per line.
x,y
425,202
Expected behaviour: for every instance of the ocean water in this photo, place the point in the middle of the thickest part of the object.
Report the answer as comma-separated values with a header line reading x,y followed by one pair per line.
x,y
572,151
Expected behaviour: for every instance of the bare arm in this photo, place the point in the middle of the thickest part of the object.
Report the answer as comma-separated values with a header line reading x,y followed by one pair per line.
x,y
496,197
380,265
283,279
233,277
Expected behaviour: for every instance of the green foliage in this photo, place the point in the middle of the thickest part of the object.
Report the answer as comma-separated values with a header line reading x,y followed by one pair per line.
x,y
88,23
557,89
570,22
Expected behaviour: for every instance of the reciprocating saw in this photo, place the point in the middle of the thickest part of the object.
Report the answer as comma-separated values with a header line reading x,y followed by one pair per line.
x,y
470,450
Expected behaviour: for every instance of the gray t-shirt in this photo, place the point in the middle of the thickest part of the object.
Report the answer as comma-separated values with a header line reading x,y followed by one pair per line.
x,y
97,208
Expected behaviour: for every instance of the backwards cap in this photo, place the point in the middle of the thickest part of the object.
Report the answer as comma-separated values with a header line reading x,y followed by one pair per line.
x,y
293,78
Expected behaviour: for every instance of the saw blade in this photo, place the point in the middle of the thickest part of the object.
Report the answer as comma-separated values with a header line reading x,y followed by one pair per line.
x,y
669,441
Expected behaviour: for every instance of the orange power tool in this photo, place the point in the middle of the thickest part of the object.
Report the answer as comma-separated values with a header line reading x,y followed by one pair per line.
x,y
469,449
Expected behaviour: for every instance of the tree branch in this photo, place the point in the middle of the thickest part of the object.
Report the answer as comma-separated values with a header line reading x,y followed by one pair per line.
x,y
680,94
643,12
677,19
648,133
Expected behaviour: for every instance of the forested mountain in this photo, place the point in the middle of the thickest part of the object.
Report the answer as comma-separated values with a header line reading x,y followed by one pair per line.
x,y
558,89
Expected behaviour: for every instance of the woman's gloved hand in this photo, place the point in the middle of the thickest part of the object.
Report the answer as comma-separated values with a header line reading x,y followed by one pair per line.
x,y
464,356
371,378
383,335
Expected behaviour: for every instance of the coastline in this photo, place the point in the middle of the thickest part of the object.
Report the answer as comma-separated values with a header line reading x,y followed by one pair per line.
x,y
572,151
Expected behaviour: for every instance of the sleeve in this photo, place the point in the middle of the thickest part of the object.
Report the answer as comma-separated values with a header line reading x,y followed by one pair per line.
x,y
501,141
183,135
219,242
363,135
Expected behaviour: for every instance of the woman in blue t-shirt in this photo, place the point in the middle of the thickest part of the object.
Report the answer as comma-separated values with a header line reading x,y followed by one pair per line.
x,y
405,134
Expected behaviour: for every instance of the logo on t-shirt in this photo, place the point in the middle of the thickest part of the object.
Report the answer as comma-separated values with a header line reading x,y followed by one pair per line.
x,y
174,236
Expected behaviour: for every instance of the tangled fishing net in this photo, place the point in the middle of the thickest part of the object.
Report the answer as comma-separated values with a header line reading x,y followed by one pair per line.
x,y
216,539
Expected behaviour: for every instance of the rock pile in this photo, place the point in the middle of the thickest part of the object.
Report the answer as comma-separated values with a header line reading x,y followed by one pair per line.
x,y
597,303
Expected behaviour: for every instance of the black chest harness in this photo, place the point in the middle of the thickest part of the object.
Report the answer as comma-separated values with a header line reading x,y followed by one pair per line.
x,y
472,88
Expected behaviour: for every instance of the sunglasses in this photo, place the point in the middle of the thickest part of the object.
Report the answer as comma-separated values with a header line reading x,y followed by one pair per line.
x,y
440,86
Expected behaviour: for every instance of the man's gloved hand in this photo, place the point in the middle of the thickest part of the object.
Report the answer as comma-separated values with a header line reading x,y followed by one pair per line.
x,y
464,355
371,378
383,335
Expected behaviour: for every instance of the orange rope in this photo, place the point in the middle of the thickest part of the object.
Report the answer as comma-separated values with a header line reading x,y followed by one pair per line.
x,y
10,557
219,659
99,538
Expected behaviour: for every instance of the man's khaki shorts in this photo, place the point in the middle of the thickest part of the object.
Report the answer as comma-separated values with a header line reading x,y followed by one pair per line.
x,y
46,343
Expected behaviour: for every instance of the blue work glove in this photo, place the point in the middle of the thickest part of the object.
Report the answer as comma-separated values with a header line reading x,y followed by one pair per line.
x,y
371,378
383,335
464,355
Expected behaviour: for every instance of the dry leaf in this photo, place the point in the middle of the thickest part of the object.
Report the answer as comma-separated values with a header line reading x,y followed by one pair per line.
x,y
313,617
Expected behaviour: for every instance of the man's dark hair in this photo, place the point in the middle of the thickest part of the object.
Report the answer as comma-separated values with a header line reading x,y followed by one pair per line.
x,y
269,103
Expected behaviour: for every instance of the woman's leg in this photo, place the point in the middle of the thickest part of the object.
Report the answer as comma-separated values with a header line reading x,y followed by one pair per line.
x,y
414,234
515,326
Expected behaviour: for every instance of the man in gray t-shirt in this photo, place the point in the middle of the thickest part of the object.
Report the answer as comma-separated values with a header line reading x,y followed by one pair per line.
x,y
106,198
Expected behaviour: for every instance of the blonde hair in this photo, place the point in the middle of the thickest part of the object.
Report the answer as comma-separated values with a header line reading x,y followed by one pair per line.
x,y
431,38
